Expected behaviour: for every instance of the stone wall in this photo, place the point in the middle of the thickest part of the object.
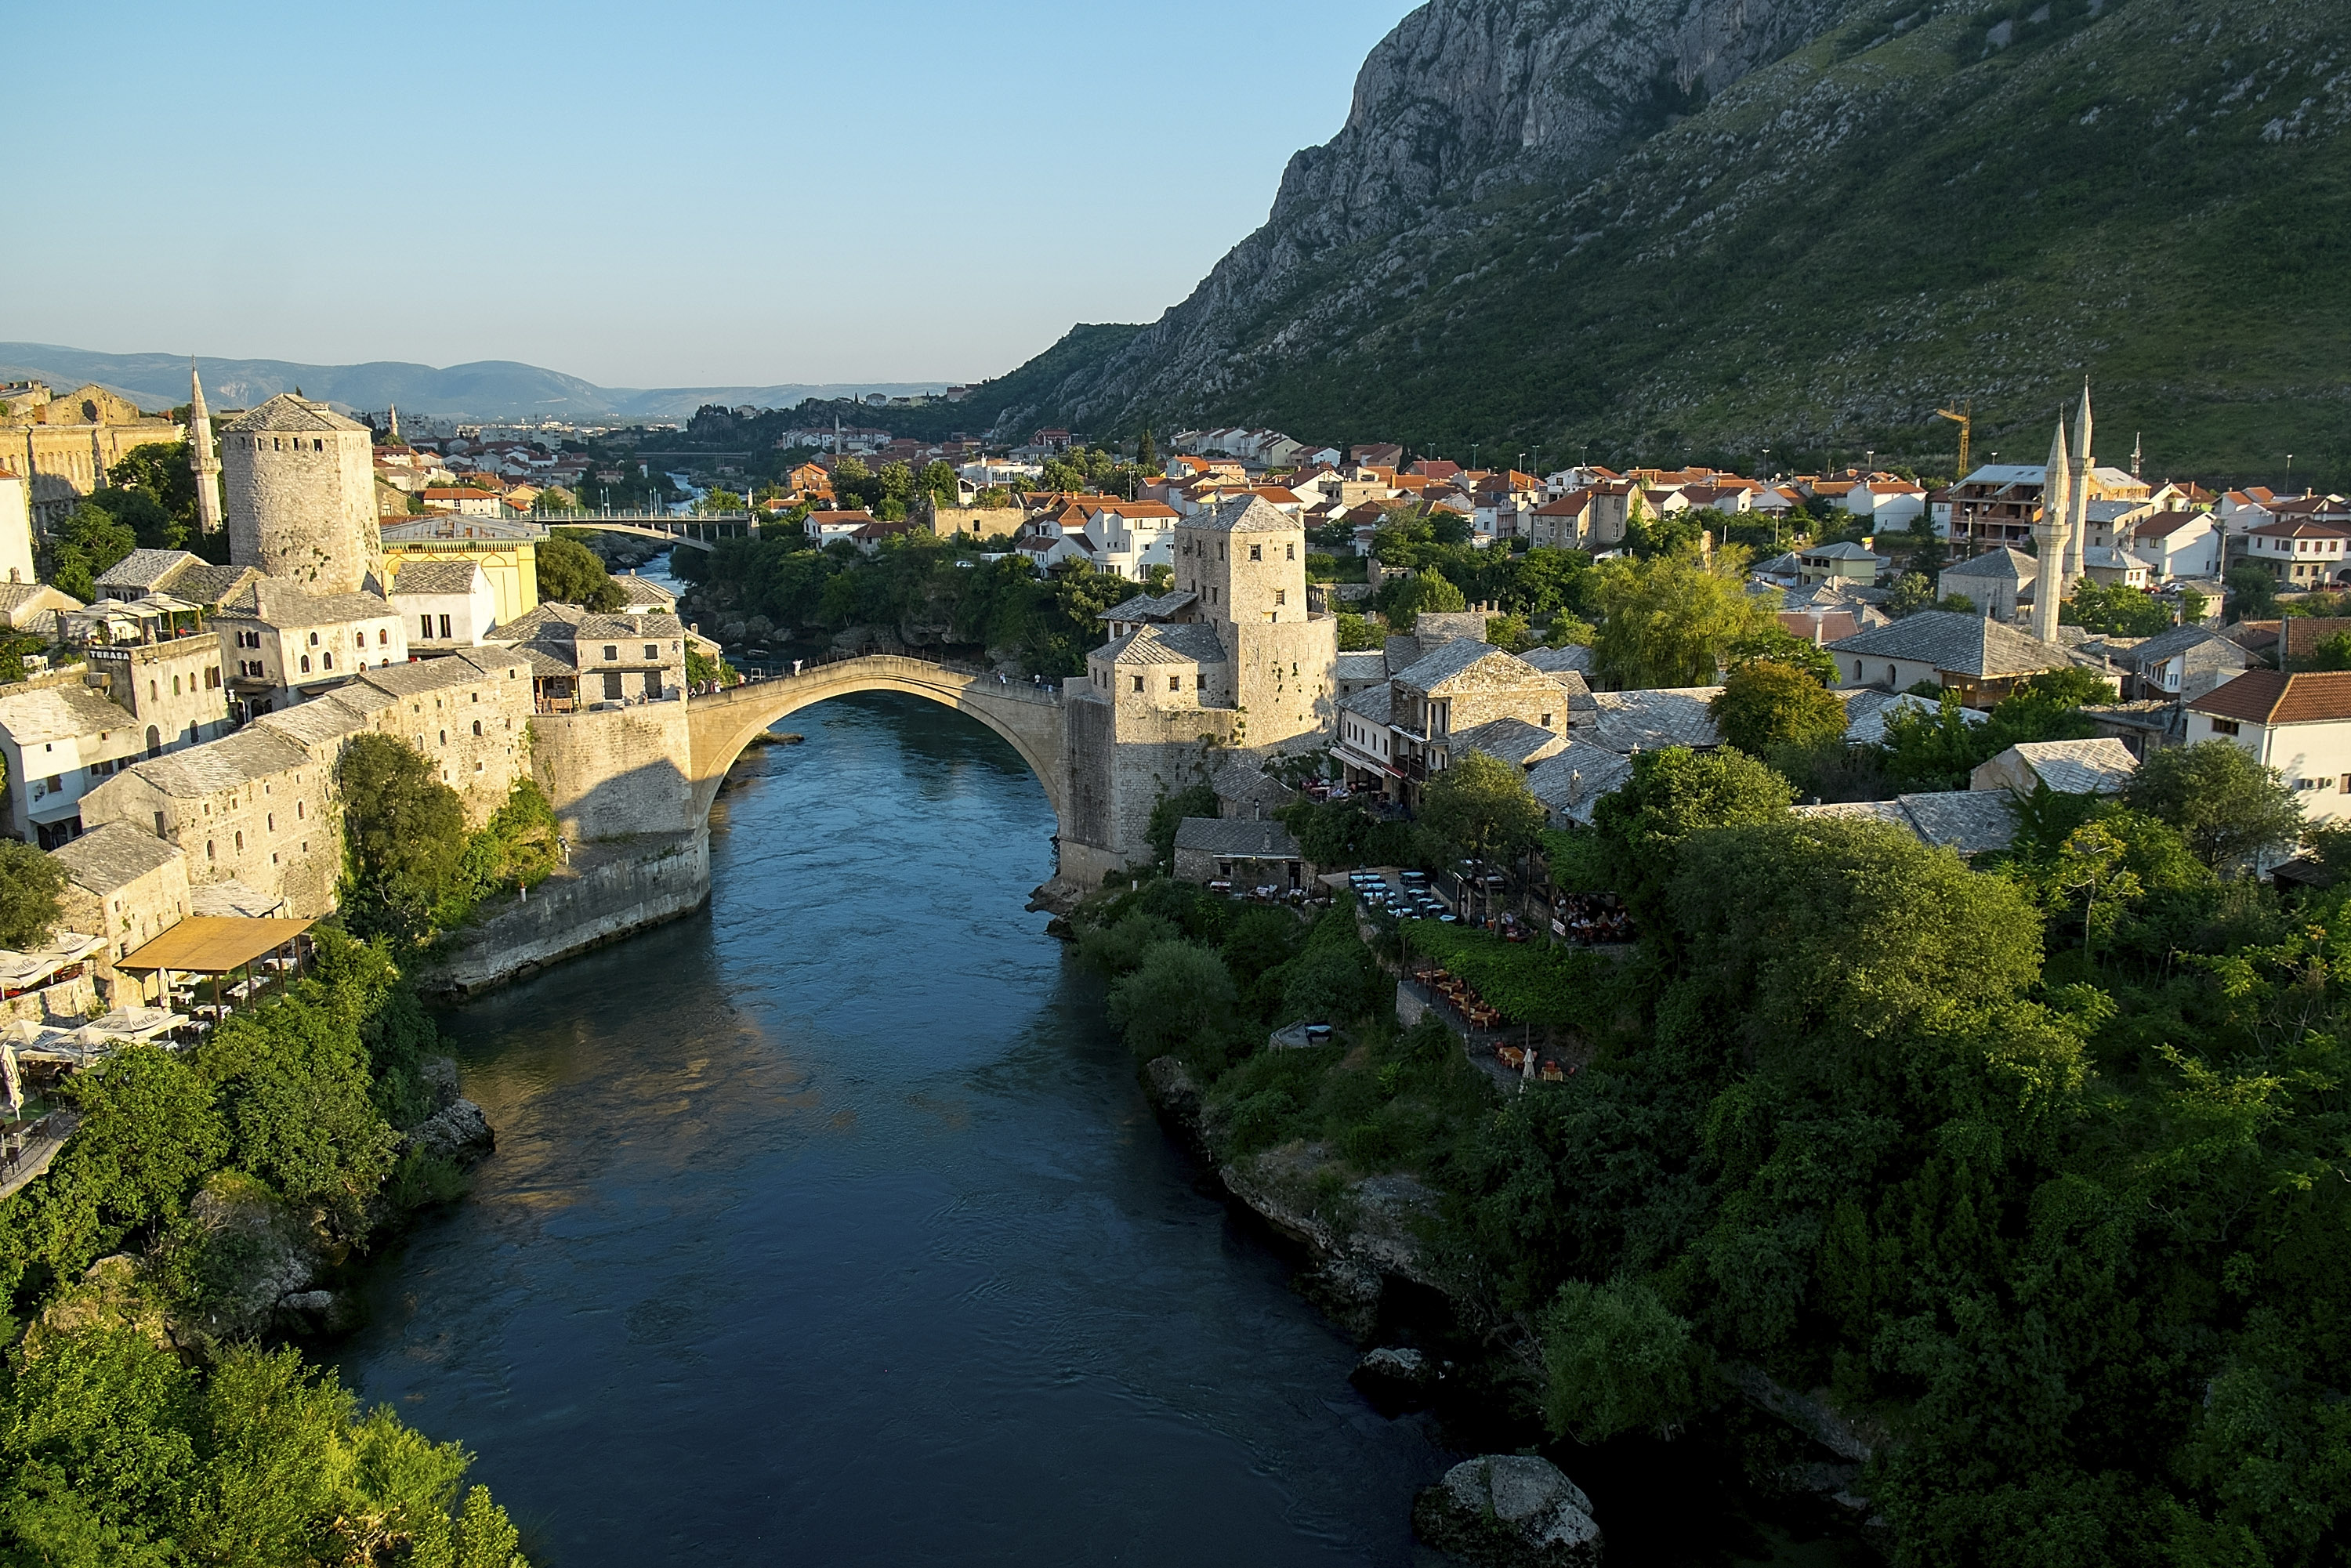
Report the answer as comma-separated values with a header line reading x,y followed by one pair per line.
x,y
617,772
607,893
303,507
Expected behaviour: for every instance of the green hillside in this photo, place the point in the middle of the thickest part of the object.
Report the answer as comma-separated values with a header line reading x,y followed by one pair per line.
x,y
1929,203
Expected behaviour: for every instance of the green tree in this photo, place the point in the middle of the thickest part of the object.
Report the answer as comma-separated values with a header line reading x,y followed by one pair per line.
x,y
1765,706
1181,999
1357,635
1773,643
1480,806
717,500
2252,592
1668,621
571,573
2228,806
2331,653
29,884
84,546
1619,1361
2119,610
404,833
1912,592
161,469
1147,451
1426,591
1672,794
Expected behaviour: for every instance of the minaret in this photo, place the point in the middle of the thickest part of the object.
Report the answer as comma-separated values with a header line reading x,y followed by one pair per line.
x,y
393,439
2079,540
202,460
2049,534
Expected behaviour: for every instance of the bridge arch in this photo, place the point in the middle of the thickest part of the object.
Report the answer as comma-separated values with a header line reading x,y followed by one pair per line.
x,y
723,723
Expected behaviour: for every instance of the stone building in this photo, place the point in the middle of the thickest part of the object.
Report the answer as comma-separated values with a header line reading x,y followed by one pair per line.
x,y
508,556
444,604
1230,658
300,494
608,658
1462,695
284,644
126,887
170,687
250,809
62,446
60,740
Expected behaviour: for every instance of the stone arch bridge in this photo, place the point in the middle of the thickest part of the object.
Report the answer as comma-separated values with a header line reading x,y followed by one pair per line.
x,y
1030,717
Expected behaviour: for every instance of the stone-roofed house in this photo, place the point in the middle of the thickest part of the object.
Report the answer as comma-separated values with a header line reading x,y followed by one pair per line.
x,y
2097,767
2298,723
1245,791
2183,664
612,658
1573,780
1842,562
1510,739
1576,659
1366,746
445,603
1867,710
1991,581
284,643
1968,823
1976,657
1246,853
125,886
35,607
643,596
1458,687
255,807
1359,671
60,740
175,573
1651,720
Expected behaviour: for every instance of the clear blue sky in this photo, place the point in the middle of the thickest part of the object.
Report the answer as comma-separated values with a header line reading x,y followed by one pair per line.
x,y
648,195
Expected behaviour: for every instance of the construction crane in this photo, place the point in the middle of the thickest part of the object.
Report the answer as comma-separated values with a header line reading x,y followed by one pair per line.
x,y
1964,419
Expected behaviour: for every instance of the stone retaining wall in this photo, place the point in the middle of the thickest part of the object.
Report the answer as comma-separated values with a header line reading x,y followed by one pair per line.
x,y
608,891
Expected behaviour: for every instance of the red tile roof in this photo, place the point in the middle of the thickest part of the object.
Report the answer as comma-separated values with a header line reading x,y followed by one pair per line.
x,y
2268,697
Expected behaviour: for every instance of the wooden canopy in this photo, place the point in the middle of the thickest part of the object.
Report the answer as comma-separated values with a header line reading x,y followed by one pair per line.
x,y
215,944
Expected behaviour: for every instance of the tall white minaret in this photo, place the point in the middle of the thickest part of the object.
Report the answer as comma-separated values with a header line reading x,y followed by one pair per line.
x,y
201,459
2050,535
393,439
2080,519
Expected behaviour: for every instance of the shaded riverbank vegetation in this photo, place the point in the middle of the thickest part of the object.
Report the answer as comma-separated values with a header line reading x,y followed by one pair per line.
x,y
2030,1178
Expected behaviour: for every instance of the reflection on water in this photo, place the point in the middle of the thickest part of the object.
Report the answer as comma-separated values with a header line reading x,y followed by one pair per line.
x,y
829,1227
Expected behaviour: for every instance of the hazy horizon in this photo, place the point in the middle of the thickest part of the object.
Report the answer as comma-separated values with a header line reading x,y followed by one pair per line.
x,y
908,193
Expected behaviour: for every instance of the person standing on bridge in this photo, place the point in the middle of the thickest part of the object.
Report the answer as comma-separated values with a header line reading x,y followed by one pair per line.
x,y
796,666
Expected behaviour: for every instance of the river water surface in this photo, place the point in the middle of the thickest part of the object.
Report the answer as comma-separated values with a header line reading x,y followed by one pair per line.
x,y
829,1227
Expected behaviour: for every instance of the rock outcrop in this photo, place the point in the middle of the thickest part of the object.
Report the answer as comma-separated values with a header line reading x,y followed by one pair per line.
x,y
1508,1511
1464,98
1397,1378
458,1132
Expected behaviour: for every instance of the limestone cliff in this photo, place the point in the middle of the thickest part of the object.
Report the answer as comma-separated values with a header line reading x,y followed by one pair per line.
x,y
1465,99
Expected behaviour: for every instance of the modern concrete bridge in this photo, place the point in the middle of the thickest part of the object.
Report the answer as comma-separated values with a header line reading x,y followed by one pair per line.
x,y
1030,717
698,532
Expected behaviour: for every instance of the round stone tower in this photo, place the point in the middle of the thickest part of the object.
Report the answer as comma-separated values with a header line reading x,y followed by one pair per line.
x,y
300,489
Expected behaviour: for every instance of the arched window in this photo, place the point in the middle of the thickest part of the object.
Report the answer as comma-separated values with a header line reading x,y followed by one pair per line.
x,y
270,821
478,726
300,810
175,686
208,851
154,741
326,661
384,637
240,840
306,664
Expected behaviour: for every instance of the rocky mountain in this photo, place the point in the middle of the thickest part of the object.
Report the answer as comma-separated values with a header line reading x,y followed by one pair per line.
x,y
485,390
1698,229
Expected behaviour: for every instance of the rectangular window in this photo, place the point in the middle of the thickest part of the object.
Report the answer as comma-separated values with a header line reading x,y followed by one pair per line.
x,y
2224,726
1175,683
612,685
611,652
1281,596
1138,683
444,626
1257,552
653,650
652,683
424,626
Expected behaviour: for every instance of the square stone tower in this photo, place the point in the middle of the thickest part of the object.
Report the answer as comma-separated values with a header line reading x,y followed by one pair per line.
x,y
1247,562
300,490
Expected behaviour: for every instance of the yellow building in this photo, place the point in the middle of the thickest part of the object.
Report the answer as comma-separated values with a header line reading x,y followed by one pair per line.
x,y
511,565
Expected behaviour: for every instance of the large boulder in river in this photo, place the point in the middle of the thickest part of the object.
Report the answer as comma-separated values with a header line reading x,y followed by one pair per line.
x,y
1508,1511
1396,1378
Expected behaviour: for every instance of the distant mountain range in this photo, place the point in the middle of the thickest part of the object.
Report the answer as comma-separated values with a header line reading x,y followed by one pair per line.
x,y
1701,230
488,390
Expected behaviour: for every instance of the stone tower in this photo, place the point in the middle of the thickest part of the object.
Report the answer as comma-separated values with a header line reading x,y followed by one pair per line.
x,y
201,459
301,494
1247,561
2052,536
2078,519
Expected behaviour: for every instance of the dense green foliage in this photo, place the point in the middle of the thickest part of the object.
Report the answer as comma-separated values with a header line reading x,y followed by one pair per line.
x,y
412,869
1672,620
29,884
82,547
914,581
1938,749
116,1448
1765,706
571,573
